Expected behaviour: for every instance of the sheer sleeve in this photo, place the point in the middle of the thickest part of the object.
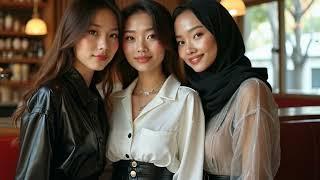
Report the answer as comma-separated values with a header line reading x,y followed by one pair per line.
x,y
35,141
191,141
256,136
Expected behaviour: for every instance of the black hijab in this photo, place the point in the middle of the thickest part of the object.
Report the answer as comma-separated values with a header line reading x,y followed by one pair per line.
x,y
218,83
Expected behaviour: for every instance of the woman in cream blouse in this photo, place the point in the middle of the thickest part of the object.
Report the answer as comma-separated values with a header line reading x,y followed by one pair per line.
x,y
157,125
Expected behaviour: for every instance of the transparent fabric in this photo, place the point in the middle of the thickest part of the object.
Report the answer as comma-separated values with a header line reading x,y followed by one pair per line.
x,y
243,140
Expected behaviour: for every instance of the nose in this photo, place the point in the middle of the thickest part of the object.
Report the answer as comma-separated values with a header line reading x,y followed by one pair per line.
x,y
141,46
102,44
190,49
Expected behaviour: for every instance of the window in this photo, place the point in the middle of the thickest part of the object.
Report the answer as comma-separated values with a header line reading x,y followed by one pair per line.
x,y
302,26
315,80
261,39
302,43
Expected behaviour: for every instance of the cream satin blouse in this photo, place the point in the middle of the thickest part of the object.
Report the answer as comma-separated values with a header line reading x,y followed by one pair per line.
x,y
169,131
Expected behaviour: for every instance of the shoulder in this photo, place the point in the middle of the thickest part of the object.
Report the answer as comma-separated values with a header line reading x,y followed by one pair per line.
x,y
254,95
123,92
253,88
172,89
188,93
46,97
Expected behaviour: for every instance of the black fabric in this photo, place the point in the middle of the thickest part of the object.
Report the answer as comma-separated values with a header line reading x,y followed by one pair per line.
x,y
218,83
143,170
63,132
207,176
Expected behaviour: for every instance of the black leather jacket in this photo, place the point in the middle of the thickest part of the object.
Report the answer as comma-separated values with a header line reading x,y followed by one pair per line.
x,y
63,132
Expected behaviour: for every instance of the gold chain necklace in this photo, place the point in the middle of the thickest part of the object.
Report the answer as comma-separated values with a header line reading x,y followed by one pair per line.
x,y
148,93
145,94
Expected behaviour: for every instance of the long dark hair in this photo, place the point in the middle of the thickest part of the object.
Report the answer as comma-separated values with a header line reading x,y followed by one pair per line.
x,y
60,57
163,27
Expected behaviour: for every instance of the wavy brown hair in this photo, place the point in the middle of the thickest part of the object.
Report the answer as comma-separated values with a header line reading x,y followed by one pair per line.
x,y
163,27
60,57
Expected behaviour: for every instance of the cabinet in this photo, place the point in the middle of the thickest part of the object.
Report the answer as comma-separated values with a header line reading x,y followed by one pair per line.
x,y
20,54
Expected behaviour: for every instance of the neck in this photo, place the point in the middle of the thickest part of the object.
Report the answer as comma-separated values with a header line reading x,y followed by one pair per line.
x,y
149,82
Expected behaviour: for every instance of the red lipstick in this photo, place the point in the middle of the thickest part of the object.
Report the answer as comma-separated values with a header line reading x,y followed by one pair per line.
x,y
101,57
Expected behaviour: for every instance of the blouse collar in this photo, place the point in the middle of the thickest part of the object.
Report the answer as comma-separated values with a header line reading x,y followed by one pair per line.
x,y
168,90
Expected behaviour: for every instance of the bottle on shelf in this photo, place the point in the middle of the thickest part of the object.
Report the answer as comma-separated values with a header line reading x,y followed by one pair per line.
x,y
8,22
5,73
1,20
5,94
40,50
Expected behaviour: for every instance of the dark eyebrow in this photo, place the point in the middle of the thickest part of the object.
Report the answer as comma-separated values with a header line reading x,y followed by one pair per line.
x,y
132,31
191,29
97,25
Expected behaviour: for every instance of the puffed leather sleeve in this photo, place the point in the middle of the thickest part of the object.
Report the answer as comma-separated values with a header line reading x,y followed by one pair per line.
x,y
36,138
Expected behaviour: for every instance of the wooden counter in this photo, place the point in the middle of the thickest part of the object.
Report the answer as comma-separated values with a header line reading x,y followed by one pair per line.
x,y
306,113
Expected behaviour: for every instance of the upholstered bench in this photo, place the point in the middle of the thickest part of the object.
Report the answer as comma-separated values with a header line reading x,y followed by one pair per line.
x,y
9,150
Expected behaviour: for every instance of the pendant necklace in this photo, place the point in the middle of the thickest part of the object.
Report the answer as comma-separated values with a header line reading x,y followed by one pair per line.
x,y
146,94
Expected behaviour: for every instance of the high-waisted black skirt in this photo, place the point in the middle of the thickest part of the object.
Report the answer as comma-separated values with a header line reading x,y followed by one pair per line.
x,y
136,170
207,176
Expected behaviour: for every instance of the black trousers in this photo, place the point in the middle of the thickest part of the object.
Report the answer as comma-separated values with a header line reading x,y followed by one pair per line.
x,y
207,176
135,170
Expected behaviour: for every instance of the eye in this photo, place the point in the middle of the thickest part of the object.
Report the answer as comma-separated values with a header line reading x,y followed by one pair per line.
x,y
93,32
152,36
129,38
114,35
197,35
180,43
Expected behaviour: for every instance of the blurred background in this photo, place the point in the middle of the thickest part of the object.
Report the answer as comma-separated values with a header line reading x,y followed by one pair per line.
x,y
282,35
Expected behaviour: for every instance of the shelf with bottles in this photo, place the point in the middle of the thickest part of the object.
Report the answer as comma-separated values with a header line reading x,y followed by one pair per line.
x,y
16,72
16,83
16,34
14,16
12,93
20,54
15,45
21,60
20,4
15,79
21,50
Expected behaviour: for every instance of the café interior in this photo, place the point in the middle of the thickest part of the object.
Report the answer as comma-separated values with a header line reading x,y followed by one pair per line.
x,y
290,36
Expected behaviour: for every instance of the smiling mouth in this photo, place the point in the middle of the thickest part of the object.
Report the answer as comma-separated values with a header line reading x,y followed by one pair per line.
x,y
195,59
101,57
143,59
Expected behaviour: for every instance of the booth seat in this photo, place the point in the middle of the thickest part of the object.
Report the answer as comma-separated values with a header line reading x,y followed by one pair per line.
x,y
300,143
296,100
9,150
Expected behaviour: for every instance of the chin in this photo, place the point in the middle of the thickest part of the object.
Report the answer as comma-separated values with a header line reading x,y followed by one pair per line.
x,y
97,68
100,69
141,68
198,69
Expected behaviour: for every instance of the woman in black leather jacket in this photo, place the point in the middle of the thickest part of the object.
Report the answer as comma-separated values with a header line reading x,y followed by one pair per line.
x,y
63,118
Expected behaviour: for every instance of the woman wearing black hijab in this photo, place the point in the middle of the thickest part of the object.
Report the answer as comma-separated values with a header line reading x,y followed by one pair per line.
x,y
242,126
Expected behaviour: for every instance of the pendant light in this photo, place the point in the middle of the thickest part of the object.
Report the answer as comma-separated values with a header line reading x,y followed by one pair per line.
x,y
36,26
235,7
